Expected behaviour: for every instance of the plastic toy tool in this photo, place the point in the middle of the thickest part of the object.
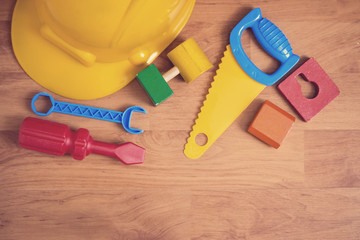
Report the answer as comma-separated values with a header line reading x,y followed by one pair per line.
x,y
189,61
57,139
90,112
238,80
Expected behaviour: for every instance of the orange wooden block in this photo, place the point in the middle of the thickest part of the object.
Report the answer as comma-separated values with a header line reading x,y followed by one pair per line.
x,y
271,124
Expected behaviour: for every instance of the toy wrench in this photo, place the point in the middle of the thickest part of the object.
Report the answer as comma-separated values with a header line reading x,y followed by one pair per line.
x,y
90,112
238,81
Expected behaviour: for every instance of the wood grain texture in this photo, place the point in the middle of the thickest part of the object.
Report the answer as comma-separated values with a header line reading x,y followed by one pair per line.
x,y
240,188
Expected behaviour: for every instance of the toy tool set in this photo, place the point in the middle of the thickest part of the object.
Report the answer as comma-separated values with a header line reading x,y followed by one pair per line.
x,y
98,62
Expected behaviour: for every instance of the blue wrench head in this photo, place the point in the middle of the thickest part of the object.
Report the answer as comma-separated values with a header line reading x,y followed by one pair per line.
x,y
127,117
36,97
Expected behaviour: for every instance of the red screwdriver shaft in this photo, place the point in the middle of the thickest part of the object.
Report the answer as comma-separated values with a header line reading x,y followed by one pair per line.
x,y
57,139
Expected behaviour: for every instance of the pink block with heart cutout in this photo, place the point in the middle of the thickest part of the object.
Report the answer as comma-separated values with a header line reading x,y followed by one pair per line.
x,y
326,89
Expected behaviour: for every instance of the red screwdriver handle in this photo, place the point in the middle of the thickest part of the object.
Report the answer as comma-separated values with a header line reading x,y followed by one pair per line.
x,y
57,139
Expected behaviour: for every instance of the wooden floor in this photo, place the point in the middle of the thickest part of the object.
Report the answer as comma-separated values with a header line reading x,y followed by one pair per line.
x,y
240,188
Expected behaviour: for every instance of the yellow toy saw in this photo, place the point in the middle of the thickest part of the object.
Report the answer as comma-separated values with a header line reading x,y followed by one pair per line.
x,y
238,81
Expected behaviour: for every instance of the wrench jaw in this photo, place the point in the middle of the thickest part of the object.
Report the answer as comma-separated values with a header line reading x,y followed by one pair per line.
x,y
126,117
36,97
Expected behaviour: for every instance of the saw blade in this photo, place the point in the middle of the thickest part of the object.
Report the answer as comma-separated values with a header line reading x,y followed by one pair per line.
x,y
231,91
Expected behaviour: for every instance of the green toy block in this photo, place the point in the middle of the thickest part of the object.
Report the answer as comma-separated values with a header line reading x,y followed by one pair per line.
x,y
154,84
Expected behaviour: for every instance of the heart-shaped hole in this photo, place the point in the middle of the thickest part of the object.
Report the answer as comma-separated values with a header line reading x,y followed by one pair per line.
x,y
309,89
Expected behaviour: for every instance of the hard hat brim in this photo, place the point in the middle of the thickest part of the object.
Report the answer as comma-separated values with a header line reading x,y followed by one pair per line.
x,y
58,72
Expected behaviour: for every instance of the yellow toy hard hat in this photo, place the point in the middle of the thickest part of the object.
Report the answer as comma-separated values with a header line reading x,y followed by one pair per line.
x,y
88,49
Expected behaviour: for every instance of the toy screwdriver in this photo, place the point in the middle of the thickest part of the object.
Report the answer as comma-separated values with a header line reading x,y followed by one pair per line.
x,y
57,139
238,81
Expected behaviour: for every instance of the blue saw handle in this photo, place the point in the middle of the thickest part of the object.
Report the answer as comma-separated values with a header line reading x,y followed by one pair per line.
x,y
271,39
90,112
